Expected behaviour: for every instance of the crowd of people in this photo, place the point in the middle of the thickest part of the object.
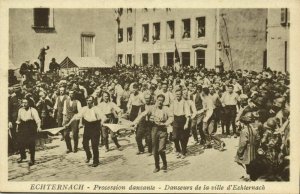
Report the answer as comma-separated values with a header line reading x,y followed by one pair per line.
x,y
165,107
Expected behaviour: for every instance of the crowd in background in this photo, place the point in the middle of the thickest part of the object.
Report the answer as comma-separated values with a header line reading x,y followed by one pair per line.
x,y
253,106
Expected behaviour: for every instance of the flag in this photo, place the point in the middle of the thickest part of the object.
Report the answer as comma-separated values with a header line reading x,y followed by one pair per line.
x,y
177,58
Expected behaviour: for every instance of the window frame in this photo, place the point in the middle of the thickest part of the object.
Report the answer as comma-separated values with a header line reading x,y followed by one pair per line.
x,y
154,31
128,34
168,29
197,27
182,29
50,25
143,32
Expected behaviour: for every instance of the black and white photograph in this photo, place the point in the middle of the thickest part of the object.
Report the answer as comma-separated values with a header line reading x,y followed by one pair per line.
x,y
148,94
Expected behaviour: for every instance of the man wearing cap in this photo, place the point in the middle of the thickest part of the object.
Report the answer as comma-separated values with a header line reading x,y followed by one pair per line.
x,y
248,144
229,101
44,107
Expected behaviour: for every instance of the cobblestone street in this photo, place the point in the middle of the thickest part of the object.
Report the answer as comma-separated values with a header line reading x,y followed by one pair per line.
x,y
53,164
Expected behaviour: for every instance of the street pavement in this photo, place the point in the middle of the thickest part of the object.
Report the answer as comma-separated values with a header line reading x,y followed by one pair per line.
x,y
53,164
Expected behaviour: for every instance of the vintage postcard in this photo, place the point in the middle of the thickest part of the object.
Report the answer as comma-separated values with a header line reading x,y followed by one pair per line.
x,y
149,97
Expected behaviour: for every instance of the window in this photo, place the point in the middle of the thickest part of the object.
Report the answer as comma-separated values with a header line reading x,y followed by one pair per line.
x,y
144,58
120,57
186,28
146,33
129,59
129,34
156,31
87,45
284,19
185,58
170,29
200,58
120,34
156,61
170,59
43,18
200,27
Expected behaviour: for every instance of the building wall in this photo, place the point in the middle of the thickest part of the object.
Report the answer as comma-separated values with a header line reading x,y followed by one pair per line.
x,y
137,46
247,38
277,36
25,43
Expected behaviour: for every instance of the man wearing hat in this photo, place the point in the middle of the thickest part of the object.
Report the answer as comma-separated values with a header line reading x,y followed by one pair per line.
x,y
248,144
54,66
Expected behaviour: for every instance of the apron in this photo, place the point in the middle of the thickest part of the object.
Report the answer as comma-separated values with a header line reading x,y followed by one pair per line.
x,y
27,132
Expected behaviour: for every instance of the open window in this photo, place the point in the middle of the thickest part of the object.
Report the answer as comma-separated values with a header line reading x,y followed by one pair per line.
x,y
170,30
145,28
120,35
43,18
186,58
156,31
186,23
120,57
129,34
200,27
156,60
129,59
145,59
170,59
200,58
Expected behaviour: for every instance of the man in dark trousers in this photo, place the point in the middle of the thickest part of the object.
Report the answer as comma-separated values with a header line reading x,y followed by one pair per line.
x,y
161,117
182,114
92,117
71,107
197,120
58,107
144,128
229,101
28,124
54,66
42,57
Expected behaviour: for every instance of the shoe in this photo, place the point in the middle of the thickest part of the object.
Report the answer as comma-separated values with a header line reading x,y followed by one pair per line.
x,y
31,163
228,136
62,139
179,156
87,160
139,153
150,154
21,160
156,170
68,151
222,146
95,164
183,156
75,150
235,135
164,168
120,148
107,150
